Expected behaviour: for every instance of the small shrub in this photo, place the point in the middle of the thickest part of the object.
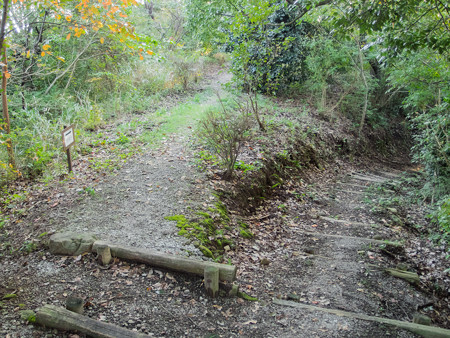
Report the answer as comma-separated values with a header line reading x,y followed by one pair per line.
x,y
94,119
185,69
224,133
122,139
221,58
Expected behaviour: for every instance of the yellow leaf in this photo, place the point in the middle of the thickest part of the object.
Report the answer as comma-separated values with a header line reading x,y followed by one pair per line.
x,y
28,54
61,58
58,17
149,52
43,54
102,40
141,57
45,47
69,18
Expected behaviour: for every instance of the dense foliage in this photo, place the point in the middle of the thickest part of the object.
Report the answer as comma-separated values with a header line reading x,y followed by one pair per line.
x,y
369,61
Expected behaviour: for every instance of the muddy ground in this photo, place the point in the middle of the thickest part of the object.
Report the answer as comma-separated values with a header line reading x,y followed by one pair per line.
x,y
316,242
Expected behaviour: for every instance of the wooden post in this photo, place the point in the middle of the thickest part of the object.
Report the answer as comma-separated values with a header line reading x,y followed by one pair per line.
x,y
104,254
69,160
68,138
212,281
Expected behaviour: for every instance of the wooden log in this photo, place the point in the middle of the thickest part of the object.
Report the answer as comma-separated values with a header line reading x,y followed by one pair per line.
x,y
211,274
423,330
171,262
410,277
62,319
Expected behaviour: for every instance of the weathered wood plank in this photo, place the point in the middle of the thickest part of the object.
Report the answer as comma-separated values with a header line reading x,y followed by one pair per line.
x,y
368,179
171,262
62,319
343,221
423,330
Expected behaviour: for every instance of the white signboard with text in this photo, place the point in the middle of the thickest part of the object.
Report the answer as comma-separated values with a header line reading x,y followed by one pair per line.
x,y
68,137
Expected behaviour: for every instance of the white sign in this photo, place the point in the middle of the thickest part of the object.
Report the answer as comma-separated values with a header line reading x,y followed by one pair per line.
x,y
68,136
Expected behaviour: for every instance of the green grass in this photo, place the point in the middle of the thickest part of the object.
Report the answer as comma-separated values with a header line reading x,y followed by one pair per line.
x,y
180,119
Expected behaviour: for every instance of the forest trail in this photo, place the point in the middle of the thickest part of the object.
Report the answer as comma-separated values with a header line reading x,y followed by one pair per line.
x,y
321,251
130,207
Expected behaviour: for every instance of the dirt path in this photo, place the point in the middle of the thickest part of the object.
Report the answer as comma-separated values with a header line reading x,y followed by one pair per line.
x,y
130,207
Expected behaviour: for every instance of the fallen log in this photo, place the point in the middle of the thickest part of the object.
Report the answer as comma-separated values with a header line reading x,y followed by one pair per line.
x,y
59,318
171,262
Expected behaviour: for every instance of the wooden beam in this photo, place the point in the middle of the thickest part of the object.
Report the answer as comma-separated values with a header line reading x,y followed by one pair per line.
x,y
424,330
171,262
59,318
343,221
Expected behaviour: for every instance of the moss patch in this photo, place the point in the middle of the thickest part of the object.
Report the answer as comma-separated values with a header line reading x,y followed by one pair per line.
x,y
208,230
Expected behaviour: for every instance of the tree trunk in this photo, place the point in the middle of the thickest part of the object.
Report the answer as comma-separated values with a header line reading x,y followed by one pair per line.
x,y
10,149
366,90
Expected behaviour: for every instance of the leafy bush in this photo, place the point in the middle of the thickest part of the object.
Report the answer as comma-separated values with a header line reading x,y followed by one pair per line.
x,y
224,133
443,216
425,75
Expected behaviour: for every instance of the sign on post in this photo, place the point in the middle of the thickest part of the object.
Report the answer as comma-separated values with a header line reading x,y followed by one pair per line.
x,y
68,138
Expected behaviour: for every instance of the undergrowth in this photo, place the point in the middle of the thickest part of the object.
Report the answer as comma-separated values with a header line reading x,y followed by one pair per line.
x,y
396,198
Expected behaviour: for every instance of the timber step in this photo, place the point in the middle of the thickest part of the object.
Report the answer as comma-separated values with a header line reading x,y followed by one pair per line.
x,y
368,178
363,239
423,330
343,221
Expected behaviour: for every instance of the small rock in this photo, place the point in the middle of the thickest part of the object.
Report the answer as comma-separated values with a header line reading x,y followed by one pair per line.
x,y
402,266
293,296
393,210
378,237
264,261
74,304
310,251
28,315
71,243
